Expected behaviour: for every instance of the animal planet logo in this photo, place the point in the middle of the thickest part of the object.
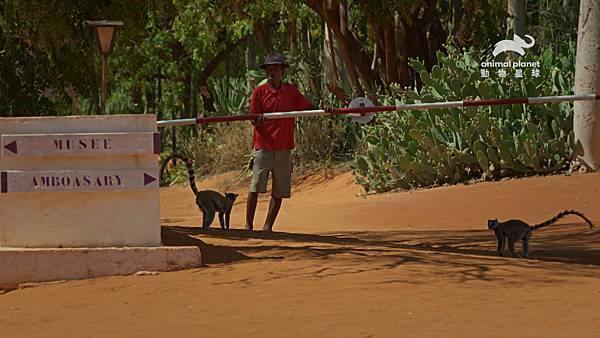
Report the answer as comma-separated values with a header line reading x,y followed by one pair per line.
x,y
517,45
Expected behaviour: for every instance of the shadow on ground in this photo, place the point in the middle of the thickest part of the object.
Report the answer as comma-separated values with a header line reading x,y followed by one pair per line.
x,y
567,243
211,254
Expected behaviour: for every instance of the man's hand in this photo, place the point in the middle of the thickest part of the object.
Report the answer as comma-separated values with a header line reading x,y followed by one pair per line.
x,y
259,121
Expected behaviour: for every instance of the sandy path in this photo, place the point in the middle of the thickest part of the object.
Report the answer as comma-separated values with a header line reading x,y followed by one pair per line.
x,y
414,264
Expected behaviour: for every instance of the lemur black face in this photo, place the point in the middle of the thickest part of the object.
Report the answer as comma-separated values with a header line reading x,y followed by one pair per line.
x,y
492,223
231,196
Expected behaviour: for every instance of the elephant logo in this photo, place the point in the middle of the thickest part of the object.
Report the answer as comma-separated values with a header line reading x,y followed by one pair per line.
x,y
515,45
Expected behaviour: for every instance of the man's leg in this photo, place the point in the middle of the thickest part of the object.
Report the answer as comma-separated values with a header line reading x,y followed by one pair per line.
x,y
261,164
251,209
282,185
274,206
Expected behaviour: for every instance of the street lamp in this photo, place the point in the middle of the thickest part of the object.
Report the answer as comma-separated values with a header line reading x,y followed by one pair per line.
x,y
105,32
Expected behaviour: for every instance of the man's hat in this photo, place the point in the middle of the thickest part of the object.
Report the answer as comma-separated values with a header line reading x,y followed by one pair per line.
x,y
274,59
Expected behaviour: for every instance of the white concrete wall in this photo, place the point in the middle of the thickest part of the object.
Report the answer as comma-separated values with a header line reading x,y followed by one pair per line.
x,y
80,219
48,264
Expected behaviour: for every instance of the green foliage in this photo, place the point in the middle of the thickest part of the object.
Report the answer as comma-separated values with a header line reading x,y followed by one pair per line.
x,y
203,26
47,52
433,147
46,48
552,20
324,141
231,95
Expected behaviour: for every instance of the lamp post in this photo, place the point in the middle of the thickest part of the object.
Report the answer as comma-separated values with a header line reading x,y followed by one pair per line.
x,y
106,32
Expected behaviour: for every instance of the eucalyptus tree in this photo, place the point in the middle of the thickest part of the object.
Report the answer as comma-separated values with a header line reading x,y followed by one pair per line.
x,y
587,79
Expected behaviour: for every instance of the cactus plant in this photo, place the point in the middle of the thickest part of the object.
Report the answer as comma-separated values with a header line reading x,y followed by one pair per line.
x,y
431,147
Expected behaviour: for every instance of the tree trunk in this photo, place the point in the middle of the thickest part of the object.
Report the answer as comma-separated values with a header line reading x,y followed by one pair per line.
x,y
261,32
379,42
305,38
151,99
250,54
136,99
354,49
250,58
586,122
374,62
432,32
186,96
174,130
159,110
211,66
336,79
357,62
290,35
457,13
401,53
194,92
329,66
350,66
338,16
73,96
516,18
389,34
94,98
397,39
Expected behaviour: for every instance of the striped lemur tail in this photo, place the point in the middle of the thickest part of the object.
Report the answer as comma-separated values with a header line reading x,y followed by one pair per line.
x,y
561,215
189,166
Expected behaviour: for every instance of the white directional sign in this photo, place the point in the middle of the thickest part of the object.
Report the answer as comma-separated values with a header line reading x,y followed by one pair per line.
x,y
77,180
88,144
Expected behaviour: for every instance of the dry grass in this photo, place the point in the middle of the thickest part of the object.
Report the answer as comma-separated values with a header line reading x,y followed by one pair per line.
x,y
227,146
224,147
319,141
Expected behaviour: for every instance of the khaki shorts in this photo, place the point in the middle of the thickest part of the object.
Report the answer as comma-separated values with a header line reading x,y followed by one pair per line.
x,y
279,163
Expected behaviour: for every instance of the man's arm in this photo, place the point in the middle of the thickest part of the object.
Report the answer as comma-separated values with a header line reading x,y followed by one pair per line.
x,y
256,108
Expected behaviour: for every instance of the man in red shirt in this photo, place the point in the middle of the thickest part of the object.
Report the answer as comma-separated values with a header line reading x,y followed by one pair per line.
x,y
273,140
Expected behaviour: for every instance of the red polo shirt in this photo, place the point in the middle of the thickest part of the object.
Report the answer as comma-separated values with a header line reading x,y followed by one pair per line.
x,y
278,133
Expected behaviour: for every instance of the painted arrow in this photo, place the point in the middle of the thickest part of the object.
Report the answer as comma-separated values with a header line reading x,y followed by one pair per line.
x,y
148,179
12,147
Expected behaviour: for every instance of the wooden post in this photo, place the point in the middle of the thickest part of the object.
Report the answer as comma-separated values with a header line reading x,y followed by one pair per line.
x,y
104,83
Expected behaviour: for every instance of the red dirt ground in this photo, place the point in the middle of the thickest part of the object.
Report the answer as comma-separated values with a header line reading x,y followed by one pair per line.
x,y
415,264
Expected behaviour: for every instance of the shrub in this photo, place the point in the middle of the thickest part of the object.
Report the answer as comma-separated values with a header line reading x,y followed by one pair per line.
x,y
432,147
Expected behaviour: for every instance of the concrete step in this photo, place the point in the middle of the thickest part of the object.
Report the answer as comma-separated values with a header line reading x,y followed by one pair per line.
x,y
22,265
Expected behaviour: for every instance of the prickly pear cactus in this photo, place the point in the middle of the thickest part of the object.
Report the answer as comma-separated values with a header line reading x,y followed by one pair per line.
x,y
433,147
